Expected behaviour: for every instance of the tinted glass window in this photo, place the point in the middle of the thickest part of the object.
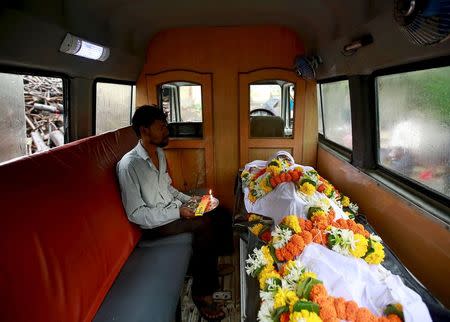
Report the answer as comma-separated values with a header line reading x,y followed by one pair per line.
x,y
414,126
336,113
114,106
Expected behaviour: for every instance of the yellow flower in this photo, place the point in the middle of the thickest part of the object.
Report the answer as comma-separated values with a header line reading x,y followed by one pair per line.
x,y
361,245
256,229
307,188
345,201
318,213
251,197
305,275
264,184
377,256
274,166
304,315
292,222
328,190
267,256
288,266
254,217
267,272
285,297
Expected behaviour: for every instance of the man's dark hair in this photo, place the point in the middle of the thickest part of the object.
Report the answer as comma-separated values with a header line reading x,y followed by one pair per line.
x,y
145,116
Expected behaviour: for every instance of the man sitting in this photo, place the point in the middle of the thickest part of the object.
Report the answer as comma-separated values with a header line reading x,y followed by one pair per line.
x,y
151,202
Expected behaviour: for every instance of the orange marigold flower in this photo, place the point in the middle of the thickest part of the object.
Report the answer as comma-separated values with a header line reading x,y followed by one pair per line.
x,y
308,225
350,310
316,235
327,312
339,305
321,222
285,254
307,237
288,255
324,301
366,234
342,223
318,291
302,223
282,269
279,254
284,317
295,239
394,318
335,224
351,224
299,242
364,315
291,247
359,229
331,215
382,319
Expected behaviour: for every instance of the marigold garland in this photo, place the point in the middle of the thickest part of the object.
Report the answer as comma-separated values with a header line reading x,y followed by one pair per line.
x,y
291,221
304,316
256,229
279,282
291,250
302,302
285,297
375,253
307,188
361,245
267,273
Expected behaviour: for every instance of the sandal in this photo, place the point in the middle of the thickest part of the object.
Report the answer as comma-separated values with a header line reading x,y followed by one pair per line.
x,y
209,311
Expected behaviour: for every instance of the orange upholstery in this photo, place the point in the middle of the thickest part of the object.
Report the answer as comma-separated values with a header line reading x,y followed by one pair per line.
x,y
65,235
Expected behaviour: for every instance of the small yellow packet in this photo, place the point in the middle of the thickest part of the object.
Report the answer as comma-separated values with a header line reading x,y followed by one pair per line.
x,y
203,205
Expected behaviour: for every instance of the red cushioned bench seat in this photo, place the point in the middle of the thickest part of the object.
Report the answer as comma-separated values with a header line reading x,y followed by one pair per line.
x,y
65,235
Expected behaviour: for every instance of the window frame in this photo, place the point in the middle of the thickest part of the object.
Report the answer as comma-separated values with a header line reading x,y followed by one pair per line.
x,y
414,186
175,105
94,98
433,204
341,150
284,104
8,69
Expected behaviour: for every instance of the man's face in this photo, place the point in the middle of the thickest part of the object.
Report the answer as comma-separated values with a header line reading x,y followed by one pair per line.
x,y
156,134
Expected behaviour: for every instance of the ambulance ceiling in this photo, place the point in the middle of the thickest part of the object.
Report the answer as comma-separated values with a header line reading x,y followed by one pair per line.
x,y
324,26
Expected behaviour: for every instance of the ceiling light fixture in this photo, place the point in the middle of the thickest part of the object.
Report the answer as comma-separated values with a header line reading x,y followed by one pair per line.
x,y
76,46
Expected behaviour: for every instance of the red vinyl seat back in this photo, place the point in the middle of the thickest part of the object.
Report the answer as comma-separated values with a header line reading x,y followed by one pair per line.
x,y
64,233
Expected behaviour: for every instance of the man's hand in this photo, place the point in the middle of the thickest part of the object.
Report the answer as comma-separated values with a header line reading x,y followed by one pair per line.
x,y
187,213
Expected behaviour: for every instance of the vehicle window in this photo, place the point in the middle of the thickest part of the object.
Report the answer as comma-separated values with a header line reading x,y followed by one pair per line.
x,y
319,111
336,113
32,114
115,104
414,126
182,102
272,109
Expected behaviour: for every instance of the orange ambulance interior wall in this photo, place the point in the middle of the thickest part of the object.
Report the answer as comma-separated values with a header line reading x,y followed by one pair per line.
x,y
422,244
223,53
